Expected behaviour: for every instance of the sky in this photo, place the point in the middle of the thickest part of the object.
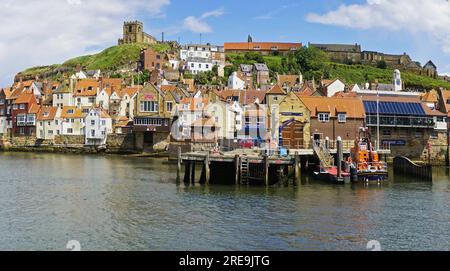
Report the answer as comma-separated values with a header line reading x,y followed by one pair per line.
x,y
46,32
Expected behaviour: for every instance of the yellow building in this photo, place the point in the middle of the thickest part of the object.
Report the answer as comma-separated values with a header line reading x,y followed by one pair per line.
x,y
294,118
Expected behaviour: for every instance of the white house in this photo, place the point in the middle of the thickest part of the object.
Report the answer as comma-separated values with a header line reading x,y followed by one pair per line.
x,y
234,82
63,96
330,88
187,112
128,101
202,58
103,98
228,116
98,125
48,122
71,121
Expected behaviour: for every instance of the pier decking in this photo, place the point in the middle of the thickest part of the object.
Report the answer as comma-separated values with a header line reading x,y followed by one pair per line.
x,y
246,166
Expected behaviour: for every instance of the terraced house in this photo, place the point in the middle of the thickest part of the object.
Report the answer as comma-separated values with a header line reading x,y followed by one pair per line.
x,y
24,111
152,121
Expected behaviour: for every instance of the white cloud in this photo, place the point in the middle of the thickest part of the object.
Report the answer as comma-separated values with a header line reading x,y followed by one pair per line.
x,y
199,24
50,31
431,17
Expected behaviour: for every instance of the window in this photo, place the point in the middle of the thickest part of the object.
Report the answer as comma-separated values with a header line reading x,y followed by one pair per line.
x,y
69,130
147,106
324,117
434,135
103,133
92,122
342,117
169,106
207,66
30,119
22,106
72,120
15,107
103,122
21,119
2,101
49,123
92,132
22,131
46,114
91,100
50,132
70,111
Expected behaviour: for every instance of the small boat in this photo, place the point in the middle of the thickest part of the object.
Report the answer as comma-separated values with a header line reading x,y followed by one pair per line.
x,y
366,165
331,175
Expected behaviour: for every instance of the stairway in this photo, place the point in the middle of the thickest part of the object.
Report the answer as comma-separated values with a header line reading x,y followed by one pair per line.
x,y
325,158
245,170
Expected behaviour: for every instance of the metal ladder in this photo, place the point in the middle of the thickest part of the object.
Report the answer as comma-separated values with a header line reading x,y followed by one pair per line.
x,y
245,170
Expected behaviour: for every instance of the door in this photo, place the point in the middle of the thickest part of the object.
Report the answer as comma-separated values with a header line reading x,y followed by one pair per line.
x,y
292,135
148,141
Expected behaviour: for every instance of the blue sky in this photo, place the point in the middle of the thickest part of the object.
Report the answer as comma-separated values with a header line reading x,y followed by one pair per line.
x,y
77,27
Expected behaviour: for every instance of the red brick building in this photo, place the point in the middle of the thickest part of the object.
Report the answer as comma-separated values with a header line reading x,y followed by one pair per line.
x,y
24,111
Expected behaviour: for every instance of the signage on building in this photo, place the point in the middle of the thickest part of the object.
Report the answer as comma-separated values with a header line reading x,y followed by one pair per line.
x,y
292,114
394,142
149,97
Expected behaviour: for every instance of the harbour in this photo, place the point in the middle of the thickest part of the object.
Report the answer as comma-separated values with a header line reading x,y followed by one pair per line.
x,y
129,203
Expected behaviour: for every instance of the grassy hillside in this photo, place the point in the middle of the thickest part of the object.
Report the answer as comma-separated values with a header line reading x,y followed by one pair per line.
x,y
108,60
351,74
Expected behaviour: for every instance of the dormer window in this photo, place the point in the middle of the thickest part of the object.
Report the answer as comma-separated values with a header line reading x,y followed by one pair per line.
x,y
89,88
342,117
323,117
46,114
274,48
70,111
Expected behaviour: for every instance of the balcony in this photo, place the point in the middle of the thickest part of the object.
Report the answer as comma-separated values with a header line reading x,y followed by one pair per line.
x,y
402,121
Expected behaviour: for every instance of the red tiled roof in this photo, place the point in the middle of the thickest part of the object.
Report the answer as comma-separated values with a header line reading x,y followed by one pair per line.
x,y
263,46
47,113
24,98
353,107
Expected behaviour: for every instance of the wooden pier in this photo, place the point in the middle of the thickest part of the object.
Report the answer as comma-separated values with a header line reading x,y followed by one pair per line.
x,y
238,167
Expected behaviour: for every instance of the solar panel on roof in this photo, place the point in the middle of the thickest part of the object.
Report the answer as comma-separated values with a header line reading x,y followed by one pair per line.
x,y
394,108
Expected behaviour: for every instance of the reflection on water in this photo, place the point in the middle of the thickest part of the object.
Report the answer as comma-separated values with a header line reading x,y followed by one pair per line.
x,y
119,203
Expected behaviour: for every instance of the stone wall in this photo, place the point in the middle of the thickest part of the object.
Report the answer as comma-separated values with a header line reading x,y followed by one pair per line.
x,y
120,143
188,147
69,139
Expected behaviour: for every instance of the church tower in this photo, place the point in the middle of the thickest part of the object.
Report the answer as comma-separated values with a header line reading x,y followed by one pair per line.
x,y
398,83
133,32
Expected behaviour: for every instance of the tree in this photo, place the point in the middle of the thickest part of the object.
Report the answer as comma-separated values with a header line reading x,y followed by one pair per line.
x,y
381,64
311,59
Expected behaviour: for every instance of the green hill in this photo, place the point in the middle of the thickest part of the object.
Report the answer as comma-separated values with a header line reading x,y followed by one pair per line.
x,y
315,64
109,59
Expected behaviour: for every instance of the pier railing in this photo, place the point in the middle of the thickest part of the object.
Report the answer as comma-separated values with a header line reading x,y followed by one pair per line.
x,y
405,166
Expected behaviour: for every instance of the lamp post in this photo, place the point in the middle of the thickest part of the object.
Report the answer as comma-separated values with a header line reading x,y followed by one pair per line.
x,y
378,120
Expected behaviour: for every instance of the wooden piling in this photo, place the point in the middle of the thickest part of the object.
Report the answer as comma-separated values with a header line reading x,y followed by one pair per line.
x,y
340,156
237,164
179,165
207,169
266,169
187,171
297,168
193,172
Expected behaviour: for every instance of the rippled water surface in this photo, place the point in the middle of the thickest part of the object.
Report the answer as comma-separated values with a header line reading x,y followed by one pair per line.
x,y
119,203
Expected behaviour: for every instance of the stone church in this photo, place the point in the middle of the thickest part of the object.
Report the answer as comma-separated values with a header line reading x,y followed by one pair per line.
x,y
133,32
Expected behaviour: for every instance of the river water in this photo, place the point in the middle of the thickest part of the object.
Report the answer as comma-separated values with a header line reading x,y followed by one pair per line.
x,y
121,203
